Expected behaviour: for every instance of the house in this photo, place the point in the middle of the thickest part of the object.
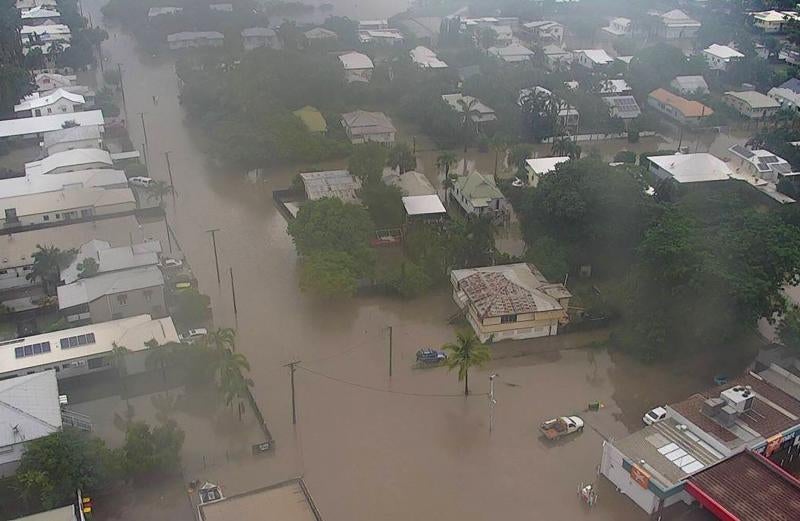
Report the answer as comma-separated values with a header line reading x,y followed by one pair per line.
x,y
719,57
312,119
85,349
568,116
362,126
114,295
29,410
40,15
677,25
71,138
556,58
513,53
67,513
155,12
618,27
480,113
22,5
680,109
592,59
51,81
751,104
424,208
623,107
503,34
695,85
787,94
286,501
541,166
689,168
426,59
110,259
616,87
35,127
763,170
383,37
256,37
773,21
545,31
373,25
70,161
59,102
338,184
33,35
669,461
477,194
221,8
39,184
320,34
510,302
411,183
357,67
64,206
194,40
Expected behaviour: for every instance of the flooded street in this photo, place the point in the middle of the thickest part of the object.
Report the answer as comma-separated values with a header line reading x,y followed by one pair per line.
x,y
370,447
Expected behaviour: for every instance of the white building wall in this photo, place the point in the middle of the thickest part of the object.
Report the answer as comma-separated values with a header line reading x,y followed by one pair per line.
x,y
611,468
72,145
61,106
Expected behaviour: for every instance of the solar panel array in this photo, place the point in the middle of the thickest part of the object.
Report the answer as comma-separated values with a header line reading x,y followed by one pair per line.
x,y
742,151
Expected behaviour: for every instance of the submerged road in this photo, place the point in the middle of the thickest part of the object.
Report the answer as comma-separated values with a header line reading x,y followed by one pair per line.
x,y
370,447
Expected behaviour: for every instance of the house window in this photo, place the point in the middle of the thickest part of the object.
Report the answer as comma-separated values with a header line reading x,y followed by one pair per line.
x,y
46,218
95,363
148,295
86,212
122,300
508,319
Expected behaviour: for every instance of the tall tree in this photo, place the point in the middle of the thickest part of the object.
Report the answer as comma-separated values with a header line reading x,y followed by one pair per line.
x,y
402,158
48,261
467,352
15,80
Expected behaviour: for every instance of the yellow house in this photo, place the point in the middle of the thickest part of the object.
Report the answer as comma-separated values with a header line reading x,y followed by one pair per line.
x,y
514,301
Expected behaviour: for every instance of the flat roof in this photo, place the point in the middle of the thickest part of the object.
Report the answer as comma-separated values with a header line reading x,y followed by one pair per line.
x,y
545,165
37,125
90,289
37,184
693,168
723,51
750,487
68,158
68,199
423,205
130,332
287,501
755,99
57,514
112,259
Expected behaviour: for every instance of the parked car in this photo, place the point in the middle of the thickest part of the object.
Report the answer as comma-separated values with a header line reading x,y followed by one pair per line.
x,y
171,263
558,427
654,415
431,356
141,181
183,286
193,335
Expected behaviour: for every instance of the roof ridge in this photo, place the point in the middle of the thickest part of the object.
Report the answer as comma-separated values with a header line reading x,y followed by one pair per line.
x,y
26,413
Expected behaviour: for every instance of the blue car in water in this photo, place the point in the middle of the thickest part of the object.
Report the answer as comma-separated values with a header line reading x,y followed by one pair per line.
x,y
431,356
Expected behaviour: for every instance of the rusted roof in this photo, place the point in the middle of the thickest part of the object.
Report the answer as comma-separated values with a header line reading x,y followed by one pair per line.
x,y
749,487
690,109
692,409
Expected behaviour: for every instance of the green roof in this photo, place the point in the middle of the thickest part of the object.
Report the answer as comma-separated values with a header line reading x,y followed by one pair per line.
x,y
477,186
312,119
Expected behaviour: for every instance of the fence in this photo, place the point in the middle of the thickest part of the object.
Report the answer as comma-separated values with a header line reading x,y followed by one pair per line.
x,y
601,137
269,441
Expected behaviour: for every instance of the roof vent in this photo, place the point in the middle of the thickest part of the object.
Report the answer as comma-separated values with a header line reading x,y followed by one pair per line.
x,y
739,398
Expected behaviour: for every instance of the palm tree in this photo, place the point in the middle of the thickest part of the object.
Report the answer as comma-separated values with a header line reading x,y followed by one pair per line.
x,y
445,162
465,353
222,339
118,355
402,158
232,382
564,146
468,112
48,261
159,356
158,190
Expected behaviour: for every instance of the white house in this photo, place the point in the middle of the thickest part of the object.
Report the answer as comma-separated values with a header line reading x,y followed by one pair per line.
x,y
787,94
556,57
193,40
59,101
761,164
70,161
51,81
71,138
39,184
481,113
677,25
29,410
592,59
362,127
36,126
541,166
85,349
689,85
477,194
33,35
773,21
513,53
384,37
510,302
40,15
752,104
545,31
155,12
682,110
618,27
112,259
689,168
357,67
425,58
719,57
255,37
65,206
319,34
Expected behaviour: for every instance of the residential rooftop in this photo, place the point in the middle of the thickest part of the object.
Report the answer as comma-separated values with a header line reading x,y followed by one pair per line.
x,y
39,184
70,134
112,259
689,108
545,165
478,188
598,56
84,291
29,408
333,183
723,52
426,58
68,199
755,99
191,36
424,205
35,100
353,61
693,168
40,124
364,123
68,158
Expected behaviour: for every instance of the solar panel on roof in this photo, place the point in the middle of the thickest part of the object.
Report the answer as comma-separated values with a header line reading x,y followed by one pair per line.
x,y
770,159
782,168
742,151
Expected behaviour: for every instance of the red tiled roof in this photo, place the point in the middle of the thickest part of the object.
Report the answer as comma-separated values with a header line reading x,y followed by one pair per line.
x,y
747,487
690,109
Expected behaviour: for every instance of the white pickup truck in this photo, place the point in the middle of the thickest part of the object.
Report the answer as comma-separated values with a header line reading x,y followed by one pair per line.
x,y
558,427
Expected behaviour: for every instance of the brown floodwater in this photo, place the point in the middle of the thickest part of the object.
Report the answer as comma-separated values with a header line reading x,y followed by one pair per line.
x,y
371,447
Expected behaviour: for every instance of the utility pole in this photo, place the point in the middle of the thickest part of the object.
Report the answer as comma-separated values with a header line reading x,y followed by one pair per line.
x,y
122,90
216,257
291,367
171,183
144,131
233,294
390,351
166,225
492,401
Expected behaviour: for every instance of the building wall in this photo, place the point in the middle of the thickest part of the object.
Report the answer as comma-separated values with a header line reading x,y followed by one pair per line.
x,y
78,168
61,106
147,301
66,216
612,468
354,75
72,145
135,363
387,137
746,110
528,325
9,459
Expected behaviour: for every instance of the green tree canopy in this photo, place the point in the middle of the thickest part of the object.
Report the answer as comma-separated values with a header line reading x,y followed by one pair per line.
x,y
402,158
329,274
331,225
152,452
384,204
367,162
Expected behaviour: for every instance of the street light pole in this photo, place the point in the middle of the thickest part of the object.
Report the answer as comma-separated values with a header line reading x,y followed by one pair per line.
x,y
492,401
144,131
171,182
122,90
216,257
291,367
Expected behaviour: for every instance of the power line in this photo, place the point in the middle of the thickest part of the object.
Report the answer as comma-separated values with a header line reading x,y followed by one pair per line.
x,y
387,391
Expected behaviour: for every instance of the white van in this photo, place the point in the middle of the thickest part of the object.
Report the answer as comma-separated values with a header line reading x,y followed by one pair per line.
x,y
141,181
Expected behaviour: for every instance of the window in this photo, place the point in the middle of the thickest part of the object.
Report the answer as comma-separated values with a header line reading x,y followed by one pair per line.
x,y
96,363
508,319
31,350
148,295
122,300
76,341
46,218
87,212
58,216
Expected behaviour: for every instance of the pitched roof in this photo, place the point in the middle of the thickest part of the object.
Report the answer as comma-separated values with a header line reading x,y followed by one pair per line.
x,y
723,51
112,259
29,407
190,36
356,61
690,109
37,125
478,187
545,165
39,12
334,183
70,134
426,58
70,199
598,56
511,53
39,184
312,119
35,101
755,99
320,33
693,168
362,123
792,84
68,158
687,84
623,107
677,18
88,290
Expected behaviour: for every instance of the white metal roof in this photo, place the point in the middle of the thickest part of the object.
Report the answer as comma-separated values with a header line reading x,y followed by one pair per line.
x,y
356,61
545,165
69,135
190,36
112,259
677,18
426,58
35,100
68,199
29,407
598,56
158,11
423,205
693,168
130,332
38,12
37,125
755,99
37,184
68,158
687,84
511,53
617,86
723,52
90,289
